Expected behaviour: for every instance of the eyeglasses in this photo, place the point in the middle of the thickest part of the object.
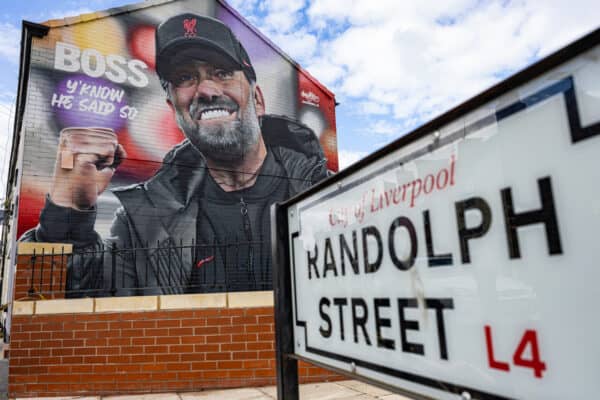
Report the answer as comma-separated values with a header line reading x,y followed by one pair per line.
x,y
187,77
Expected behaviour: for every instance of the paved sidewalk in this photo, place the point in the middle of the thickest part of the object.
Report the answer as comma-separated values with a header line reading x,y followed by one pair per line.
x,y
3,378
344,390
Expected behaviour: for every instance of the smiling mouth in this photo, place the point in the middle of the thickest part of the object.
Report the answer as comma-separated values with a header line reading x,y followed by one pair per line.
x,y
214,113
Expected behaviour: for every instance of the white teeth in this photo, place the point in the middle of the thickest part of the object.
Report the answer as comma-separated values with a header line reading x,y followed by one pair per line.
x,y
210,114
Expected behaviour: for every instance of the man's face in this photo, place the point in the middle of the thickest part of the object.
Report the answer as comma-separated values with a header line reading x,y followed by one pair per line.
x,y
216,108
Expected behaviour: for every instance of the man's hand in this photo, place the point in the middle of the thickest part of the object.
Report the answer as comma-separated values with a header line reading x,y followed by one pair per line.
x,y
85,164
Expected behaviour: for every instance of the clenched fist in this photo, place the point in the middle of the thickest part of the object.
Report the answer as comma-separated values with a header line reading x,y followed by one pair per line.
x,y
85,164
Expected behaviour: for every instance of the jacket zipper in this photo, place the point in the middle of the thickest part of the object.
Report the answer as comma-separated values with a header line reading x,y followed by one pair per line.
x,y
248,232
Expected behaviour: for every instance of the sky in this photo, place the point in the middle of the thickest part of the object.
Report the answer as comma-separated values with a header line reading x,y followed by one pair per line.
x,y
392,64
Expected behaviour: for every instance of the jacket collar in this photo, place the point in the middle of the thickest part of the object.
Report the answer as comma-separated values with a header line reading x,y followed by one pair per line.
x,y
181,175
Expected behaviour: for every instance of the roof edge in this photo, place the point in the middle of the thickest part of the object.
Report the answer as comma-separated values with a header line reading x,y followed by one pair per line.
x,y
29,30
67,21
110,12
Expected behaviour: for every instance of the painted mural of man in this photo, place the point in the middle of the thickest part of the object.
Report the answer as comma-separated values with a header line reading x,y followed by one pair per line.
x,y
215,187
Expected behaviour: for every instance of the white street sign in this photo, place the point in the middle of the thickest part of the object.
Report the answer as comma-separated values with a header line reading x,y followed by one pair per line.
x,y
465,262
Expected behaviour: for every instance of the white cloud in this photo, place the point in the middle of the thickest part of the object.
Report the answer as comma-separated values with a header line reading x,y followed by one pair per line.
x,y
420,58
6,126
347,158
10,39
299,45
281,21
384,128
327,72
283,15
374,108
247,8
411,63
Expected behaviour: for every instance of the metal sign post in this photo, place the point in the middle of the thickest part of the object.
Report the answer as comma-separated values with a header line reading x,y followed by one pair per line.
x,y
287,367
459,261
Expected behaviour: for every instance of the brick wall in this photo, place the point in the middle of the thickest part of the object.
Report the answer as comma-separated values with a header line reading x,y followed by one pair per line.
x,y
141,351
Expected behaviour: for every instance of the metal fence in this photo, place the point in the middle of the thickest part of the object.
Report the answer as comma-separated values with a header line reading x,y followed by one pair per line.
x,y
162,268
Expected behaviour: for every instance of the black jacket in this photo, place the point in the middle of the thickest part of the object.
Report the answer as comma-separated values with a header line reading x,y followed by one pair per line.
x,y
162,212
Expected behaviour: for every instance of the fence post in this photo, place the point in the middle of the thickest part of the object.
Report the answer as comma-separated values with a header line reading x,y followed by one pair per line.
x,y
31,290
62,267
41,287
113,277
52,273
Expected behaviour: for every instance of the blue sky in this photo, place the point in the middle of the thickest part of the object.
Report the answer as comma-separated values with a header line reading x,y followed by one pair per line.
x,y
393,65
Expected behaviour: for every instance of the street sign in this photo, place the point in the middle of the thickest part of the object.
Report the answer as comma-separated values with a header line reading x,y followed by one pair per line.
x,y
460,261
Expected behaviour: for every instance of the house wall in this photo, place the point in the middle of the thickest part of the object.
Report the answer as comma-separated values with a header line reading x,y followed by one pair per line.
x,y
94,74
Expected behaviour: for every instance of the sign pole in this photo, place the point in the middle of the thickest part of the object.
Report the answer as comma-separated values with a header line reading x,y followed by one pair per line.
x,y
287,367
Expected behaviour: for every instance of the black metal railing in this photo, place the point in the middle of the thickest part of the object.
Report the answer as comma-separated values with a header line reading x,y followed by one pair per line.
x,y
161,268
45,274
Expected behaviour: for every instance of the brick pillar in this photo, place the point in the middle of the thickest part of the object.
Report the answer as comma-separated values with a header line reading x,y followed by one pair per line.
x,y
41,270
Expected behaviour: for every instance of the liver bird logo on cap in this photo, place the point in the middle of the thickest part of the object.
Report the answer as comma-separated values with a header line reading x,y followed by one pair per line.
x,y
189,27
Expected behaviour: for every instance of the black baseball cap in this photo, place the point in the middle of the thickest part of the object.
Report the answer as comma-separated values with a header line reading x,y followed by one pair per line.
x,y
190,35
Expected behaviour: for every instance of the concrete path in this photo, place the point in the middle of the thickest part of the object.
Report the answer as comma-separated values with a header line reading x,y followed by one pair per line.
x,y
3,378
344,390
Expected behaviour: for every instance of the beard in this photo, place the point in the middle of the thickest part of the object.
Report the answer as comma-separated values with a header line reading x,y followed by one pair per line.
x,y
228,141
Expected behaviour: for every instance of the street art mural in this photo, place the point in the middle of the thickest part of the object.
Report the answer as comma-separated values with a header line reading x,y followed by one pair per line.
x,y
156,137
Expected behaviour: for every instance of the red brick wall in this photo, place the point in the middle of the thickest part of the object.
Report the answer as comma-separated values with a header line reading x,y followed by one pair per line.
x,y
154,351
